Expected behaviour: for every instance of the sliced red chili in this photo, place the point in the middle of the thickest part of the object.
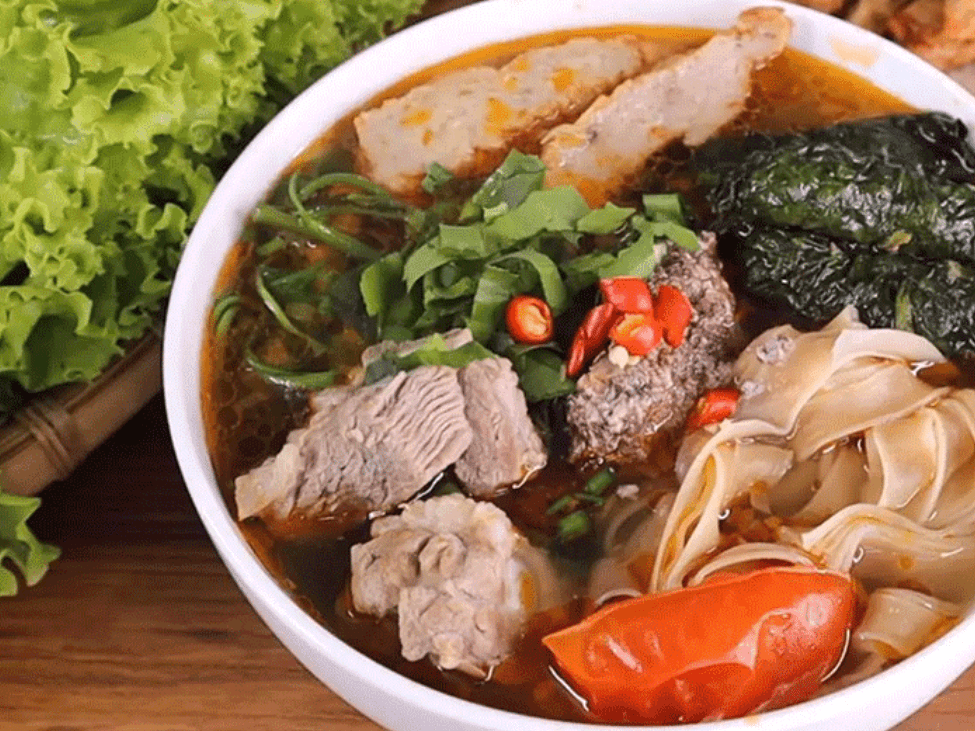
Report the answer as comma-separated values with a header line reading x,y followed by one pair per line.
x,y
529,320
714,406
627,294
638,333
591,337
674,311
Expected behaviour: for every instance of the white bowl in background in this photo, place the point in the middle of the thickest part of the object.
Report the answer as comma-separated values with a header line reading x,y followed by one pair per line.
x,y
390,699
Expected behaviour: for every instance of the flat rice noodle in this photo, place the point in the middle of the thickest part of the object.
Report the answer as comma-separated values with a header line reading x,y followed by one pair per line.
x,y
630,537
863,395
918,455
899,622
726,468
783,368
610,578
956,500
841,477
780,370
956,508
751,555
883,548
903,456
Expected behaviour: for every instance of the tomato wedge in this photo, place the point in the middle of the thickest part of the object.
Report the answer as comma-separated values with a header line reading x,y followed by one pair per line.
x,y
733,645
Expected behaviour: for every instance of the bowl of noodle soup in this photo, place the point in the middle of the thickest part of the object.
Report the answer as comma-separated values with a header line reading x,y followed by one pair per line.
x,y
373,680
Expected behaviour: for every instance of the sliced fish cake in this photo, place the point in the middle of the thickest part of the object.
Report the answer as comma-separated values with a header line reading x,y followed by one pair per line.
x,y
689,97
467,121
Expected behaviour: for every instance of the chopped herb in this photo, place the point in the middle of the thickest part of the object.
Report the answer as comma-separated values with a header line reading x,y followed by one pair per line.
x,y
437,178
597,484
561,504
574,525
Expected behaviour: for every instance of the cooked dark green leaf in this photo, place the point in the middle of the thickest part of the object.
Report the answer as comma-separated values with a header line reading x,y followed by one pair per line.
x,y
903,179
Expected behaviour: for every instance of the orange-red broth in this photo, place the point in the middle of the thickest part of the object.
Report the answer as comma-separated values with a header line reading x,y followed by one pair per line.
x,y
246,419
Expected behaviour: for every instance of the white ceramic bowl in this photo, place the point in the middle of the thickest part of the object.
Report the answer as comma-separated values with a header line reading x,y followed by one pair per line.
x,y
388,698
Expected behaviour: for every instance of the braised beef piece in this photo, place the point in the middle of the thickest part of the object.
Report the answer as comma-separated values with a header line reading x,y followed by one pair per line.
x,y
505,449
617,411
369,448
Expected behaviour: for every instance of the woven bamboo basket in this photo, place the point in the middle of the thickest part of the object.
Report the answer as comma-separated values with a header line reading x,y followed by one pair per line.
x,y
50,436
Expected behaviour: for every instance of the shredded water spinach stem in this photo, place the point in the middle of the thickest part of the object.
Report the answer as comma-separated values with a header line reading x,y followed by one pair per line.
x,y
305,380
282,318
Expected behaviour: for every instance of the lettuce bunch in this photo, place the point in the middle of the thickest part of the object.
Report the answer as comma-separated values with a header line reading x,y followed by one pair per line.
x,y
116,118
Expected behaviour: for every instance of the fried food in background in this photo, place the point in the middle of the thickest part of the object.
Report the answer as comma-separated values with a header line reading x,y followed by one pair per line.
x,y
940,31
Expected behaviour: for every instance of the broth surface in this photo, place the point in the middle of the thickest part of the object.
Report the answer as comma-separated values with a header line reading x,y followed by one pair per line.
x,y
247,419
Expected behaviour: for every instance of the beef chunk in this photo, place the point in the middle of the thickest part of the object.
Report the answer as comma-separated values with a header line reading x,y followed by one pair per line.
x,y
506,448
453,571
617,410
368,448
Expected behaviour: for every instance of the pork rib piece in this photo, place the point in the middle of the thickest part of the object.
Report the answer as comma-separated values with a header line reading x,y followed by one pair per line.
x,y
460,577
466,121
506,448
364,449
687,97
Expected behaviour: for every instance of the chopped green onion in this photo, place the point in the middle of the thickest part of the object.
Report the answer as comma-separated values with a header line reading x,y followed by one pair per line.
x,y
597,484
561,504
224,311
275,244
350,179
271,302
574,525
590,498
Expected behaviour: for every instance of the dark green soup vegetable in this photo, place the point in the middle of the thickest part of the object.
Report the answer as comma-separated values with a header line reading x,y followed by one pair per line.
x,y
460,263
877,213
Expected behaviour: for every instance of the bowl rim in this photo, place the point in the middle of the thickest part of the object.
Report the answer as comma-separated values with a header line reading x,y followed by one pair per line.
x,y
265,158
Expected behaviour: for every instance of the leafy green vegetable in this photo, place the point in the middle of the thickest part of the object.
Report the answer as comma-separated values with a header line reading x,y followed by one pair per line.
x,y
879,214
513,237
541,372
901,182
115,120
816,277
19,545
433,351
506,187
463,262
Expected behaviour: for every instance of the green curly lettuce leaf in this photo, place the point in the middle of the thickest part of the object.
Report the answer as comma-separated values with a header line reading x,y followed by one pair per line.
x,y
116,118
19,546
